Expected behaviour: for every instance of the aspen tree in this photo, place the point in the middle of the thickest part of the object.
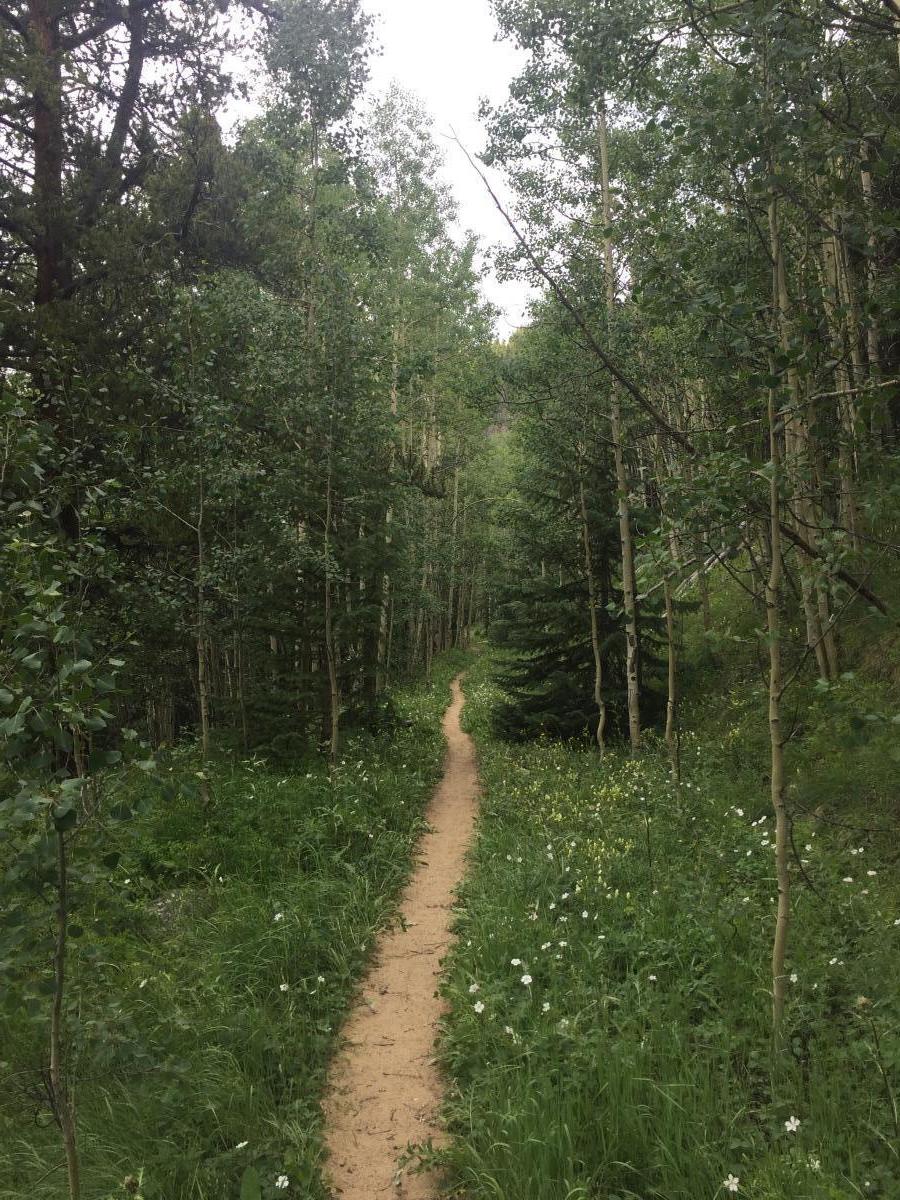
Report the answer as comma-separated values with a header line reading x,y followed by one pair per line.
x,y
776,738
833,297
334,695
773,628
202,656
798,459
595,617
617,433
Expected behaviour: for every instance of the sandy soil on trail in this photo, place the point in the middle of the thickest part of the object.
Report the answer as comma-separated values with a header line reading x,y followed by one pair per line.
x,y
385,1090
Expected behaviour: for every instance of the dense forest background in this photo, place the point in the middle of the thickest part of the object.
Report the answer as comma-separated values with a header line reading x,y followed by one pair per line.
x,y
262,461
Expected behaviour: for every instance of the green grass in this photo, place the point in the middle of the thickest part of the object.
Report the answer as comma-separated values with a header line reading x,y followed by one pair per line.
x,y
637,1063
218,960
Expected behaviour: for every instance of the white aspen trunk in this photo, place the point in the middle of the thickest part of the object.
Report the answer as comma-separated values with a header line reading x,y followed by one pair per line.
x,y
672,674
773,619
595,621
776,742
202,673
797,448
470,620
385,603
878,419
62,1104
330,651
454,540
616,428
832,299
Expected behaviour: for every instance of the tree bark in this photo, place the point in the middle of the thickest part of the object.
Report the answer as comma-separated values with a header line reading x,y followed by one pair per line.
x,y
616,428
672,697
61,1102
202,662
595,620
797,446
878,421
49,150
334,696
776,742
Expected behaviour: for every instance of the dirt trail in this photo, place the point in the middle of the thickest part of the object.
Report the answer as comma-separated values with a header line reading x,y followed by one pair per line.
x,y
385,1090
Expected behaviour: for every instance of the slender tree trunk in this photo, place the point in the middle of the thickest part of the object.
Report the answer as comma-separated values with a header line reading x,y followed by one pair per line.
x,y
389,648
385,603
49,148
334,695
776,741
832,295
705,611
62,1105
420,616
773,623
595,619
240,677
878,422
797,448
470,619
672,698
454,546
202,662
616,427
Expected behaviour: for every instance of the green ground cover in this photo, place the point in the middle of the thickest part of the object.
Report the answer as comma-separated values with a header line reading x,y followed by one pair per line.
x,y
609,1031
217,961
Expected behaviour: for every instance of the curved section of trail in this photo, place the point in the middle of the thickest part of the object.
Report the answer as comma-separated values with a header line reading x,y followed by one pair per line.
x,y
385,1091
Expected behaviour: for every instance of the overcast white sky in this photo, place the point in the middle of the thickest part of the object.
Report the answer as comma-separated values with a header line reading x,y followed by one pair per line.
x,y
444,51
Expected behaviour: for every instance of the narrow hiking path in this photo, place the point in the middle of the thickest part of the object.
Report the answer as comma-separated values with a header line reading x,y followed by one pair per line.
x,y
385,1091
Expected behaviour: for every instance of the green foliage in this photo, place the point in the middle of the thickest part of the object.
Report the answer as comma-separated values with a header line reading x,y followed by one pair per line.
x,y
216,951
637,1062
548,676
557,485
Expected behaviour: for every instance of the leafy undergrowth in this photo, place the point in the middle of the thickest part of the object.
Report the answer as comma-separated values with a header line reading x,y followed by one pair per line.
x,y
609,1027
214,970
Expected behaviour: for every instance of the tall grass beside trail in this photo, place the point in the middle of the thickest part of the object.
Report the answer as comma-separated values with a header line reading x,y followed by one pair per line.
x,y
609,1026
214,972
